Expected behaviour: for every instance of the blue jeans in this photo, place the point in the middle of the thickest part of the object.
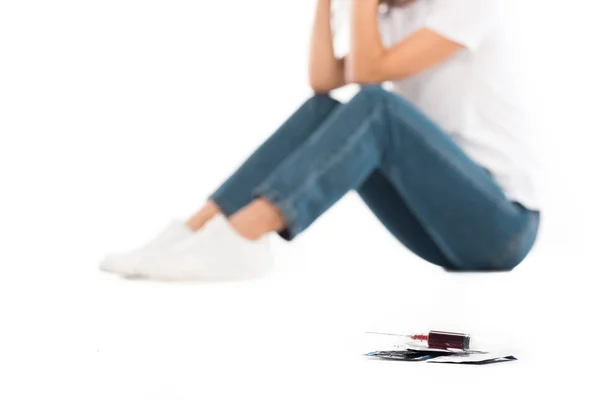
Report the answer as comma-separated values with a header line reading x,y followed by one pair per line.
x,y
425,190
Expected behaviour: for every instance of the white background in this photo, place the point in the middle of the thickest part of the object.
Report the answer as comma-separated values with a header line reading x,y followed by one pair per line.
x,y
117,115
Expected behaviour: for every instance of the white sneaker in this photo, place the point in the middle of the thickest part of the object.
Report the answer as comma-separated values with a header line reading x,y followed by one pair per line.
x,y
125,263
216,252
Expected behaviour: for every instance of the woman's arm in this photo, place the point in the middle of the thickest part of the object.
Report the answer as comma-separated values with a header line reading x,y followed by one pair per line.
x,y
369,62
326,72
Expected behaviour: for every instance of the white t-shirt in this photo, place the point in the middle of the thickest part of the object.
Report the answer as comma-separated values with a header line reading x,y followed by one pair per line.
x,y
479,95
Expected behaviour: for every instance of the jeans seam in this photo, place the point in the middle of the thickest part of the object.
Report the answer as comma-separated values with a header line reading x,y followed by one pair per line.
x,y
335,158
442,153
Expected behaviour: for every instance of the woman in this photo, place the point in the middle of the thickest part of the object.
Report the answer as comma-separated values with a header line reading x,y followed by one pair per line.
x,y
445,166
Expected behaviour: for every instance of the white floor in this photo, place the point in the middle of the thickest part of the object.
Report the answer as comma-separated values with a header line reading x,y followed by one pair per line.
x,y
79,333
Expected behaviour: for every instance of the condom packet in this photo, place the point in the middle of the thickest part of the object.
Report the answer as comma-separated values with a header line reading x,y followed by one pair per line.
x,y
446,356
480,358
399,355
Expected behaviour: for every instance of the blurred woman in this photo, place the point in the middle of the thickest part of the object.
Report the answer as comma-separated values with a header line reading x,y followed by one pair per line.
x,y
443,160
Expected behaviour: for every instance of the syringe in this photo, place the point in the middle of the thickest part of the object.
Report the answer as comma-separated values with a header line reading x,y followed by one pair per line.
x,y
420,337
437,339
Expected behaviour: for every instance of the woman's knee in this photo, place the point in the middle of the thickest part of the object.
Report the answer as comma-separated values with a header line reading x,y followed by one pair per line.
x,y
323,101
368,97
374,92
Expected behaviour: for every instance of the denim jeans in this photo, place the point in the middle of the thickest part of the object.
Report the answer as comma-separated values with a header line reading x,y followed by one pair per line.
x,y
423,188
